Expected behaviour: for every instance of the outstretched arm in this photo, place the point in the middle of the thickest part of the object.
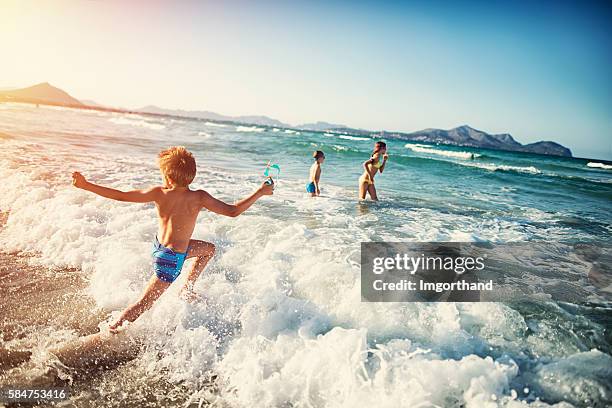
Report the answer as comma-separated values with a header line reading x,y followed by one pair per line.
x,y
233,210
134,196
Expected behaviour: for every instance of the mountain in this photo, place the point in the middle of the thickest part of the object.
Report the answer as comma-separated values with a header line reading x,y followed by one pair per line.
x,y
551,148
468,136
320,126
465,135
254,120
89,102
43,93
259,120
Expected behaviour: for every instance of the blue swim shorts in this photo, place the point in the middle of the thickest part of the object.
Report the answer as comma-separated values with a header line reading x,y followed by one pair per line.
x,y
167,263
310,188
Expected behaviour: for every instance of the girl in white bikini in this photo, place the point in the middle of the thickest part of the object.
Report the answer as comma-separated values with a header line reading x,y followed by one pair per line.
x,y
375,164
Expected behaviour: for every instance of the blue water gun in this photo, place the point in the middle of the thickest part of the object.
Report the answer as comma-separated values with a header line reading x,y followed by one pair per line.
x,y
272,171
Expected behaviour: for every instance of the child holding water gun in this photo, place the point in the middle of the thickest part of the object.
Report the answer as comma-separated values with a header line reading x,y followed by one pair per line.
x,y
178,207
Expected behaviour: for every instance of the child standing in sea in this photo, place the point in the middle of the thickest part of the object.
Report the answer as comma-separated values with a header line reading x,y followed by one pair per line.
x,y
177,208
315,174
375,164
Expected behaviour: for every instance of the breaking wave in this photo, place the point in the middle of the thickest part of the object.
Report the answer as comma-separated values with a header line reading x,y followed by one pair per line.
x,y
447,153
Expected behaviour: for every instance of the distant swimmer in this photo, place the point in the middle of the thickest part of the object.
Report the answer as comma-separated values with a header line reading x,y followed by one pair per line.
x,y
375,164
315,174
177,208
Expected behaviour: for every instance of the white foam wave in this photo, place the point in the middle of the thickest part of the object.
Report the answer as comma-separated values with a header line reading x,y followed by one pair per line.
x,y
503,167
249,129
213,124
447,153
451,227
577,379
598,165
206,135
347,137
136,122
336,368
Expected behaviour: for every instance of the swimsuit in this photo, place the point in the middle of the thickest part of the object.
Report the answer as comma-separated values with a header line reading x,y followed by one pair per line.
x,y
310,187
167,263
366,177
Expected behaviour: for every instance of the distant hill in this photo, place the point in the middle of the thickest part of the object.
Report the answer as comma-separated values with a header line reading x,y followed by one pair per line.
x,y
89,102
465,135
468,136
459,136
254,120
320,126
43,93
547,147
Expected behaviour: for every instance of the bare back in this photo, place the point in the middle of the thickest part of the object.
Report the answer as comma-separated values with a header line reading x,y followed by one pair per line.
x,y
178,211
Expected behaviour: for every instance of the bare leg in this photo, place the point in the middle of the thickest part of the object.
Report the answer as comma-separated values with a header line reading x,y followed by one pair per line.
x,y
203,252
363,188
372,191
154,290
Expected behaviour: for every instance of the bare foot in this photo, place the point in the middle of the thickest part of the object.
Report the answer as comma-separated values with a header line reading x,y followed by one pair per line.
x,y
115,327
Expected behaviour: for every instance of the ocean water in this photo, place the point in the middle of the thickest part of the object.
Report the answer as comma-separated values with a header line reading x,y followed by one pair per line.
x,y
280,322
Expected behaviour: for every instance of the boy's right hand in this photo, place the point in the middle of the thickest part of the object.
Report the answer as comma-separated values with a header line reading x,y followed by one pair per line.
x,y
78,180
267,189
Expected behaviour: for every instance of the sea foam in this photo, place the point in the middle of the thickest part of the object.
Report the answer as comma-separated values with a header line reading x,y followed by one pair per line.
x,y
249,129
137,122
504,167
598,165
214,124
447,153
348,137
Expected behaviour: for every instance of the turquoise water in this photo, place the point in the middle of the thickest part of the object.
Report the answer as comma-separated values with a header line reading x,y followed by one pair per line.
x,y
536,193
282,323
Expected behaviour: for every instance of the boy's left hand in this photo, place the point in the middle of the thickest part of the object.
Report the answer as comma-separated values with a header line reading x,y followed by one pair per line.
x,y
267,189
78,180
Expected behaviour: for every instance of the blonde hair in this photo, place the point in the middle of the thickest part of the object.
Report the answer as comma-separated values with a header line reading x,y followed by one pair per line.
x,y
178,165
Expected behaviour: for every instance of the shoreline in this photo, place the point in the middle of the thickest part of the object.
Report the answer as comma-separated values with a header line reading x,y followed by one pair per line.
x,y
372,134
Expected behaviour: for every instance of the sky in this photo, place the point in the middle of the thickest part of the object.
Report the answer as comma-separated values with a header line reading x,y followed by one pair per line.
x,y
538,71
